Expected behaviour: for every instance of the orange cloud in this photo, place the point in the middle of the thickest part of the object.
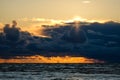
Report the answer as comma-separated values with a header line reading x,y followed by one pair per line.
x,y
35,30
1,26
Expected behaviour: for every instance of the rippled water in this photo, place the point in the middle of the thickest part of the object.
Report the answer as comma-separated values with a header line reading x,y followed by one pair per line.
x,y
59,71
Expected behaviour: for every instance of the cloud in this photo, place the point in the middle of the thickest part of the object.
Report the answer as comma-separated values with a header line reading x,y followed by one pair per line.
x,y
94,33
35,25
42,21
1,26
95,40
35,30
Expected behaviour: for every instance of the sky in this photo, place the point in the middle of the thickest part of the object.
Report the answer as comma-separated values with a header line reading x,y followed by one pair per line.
x,y
90,30
59,9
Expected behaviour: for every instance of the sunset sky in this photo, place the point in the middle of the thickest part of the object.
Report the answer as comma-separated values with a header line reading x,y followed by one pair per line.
x,y
101,38
59,9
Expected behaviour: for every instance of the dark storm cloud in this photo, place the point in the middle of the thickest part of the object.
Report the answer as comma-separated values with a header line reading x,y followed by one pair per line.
x,y
93,40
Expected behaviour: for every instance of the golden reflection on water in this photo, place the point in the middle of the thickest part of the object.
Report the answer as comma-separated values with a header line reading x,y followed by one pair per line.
x,y
42,59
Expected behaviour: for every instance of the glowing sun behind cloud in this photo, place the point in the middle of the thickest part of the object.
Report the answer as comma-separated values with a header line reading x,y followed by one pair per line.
x,y
35,25
78,18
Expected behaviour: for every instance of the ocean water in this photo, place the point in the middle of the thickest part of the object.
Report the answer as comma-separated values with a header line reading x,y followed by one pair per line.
x,y
59,71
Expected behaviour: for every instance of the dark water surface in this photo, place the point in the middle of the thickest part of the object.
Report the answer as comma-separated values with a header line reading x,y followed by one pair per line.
x,y
59,71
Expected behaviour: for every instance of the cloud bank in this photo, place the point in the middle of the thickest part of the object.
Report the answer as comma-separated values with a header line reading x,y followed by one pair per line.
x,y
95,40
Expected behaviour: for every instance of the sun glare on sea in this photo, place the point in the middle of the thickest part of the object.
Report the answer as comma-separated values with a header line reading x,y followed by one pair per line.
x,y
42,59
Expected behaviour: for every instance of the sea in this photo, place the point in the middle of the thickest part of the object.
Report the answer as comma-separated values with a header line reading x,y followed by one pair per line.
x,y
59,71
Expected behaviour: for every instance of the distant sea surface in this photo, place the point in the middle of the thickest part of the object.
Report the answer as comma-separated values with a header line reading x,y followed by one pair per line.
x,y
59,71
